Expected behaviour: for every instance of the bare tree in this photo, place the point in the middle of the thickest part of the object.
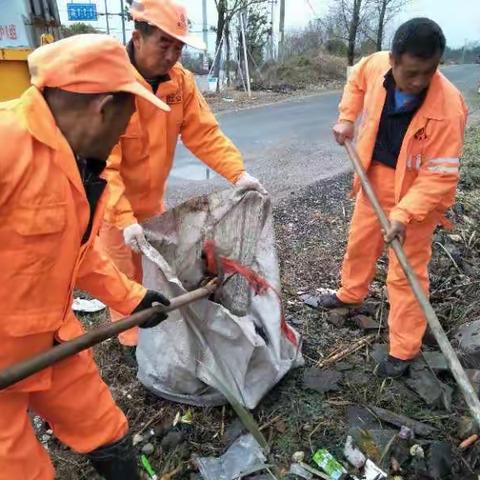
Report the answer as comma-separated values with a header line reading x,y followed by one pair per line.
x,y
226,11
385,11
350,17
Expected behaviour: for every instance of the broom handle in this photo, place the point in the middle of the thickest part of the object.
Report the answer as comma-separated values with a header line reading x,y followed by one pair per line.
x,y
24,369
456,368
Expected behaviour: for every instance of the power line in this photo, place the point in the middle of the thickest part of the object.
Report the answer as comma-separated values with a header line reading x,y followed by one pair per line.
x,y
309,3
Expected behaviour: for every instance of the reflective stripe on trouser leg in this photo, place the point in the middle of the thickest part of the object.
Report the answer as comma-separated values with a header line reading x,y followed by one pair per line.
x,y
129,263
365,242
22,457
406,320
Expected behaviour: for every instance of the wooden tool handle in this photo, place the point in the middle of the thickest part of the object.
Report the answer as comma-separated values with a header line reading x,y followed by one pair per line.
x,y
22,370
456,368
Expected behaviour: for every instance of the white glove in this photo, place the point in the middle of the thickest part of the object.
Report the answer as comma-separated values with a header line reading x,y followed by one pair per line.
x,y
247,182
133,236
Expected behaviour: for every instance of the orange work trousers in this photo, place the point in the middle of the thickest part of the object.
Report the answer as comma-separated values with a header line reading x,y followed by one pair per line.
x,y
128,262
406,321
79,408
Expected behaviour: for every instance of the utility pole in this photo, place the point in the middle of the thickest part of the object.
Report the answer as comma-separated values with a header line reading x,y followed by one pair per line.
x,y
282,27
464,51
106,17
122,14
205,34
272,33
244,41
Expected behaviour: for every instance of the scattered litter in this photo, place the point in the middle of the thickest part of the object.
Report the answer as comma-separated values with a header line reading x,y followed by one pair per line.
x,y
417,451
418,428
433,392
366,323
366,442
322,380
455,238
353,455
296,469
229,100
244,454
187,418
137,438
395,465
468,442
87,306
314,471
148,468
372,472
298,457
327,462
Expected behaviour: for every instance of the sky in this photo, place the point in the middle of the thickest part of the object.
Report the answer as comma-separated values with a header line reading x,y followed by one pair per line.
x,y
460,19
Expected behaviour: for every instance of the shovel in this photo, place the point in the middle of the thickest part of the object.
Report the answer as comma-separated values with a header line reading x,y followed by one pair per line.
x,y
454,364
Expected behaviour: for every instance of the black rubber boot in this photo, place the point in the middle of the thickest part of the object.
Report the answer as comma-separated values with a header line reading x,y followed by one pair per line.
x,y
116,461
391,367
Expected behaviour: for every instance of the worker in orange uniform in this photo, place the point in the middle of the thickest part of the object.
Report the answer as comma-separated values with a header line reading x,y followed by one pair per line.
x,y
55,141
139,166
410,138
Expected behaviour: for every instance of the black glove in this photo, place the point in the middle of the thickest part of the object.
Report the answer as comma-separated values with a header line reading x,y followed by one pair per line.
x,y
149,299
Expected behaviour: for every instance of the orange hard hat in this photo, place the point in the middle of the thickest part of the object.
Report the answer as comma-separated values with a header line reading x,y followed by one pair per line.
x,y
169,16
89,63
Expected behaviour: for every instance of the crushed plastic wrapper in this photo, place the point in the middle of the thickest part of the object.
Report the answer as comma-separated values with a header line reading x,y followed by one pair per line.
x,y
244,454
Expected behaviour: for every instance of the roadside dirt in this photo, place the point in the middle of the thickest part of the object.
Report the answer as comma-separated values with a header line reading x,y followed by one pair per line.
x,y
233,100
311,227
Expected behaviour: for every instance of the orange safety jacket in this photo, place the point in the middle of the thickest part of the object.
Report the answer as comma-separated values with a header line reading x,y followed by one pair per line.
x,y
427,170
44,213
139,166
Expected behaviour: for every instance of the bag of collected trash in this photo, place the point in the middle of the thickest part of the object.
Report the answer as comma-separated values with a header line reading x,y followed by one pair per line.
x,y
239,339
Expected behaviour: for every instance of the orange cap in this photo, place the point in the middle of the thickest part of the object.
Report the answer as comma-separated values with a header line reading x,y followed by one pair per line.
x,y
167,15
89,63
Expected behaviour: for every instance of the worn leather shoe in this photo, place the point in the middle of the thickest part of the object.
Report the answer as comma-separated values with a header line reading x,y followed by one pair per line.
x,y
330,301
391,367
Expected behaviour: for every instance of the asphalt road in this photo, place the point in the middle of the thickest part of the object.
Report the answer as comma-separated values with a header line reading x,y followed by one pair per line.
x,y
287,145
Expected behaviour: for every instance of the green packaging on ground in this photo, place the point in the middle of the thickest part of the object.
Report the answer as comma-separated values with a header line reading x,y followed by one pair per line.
x,y
326,461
